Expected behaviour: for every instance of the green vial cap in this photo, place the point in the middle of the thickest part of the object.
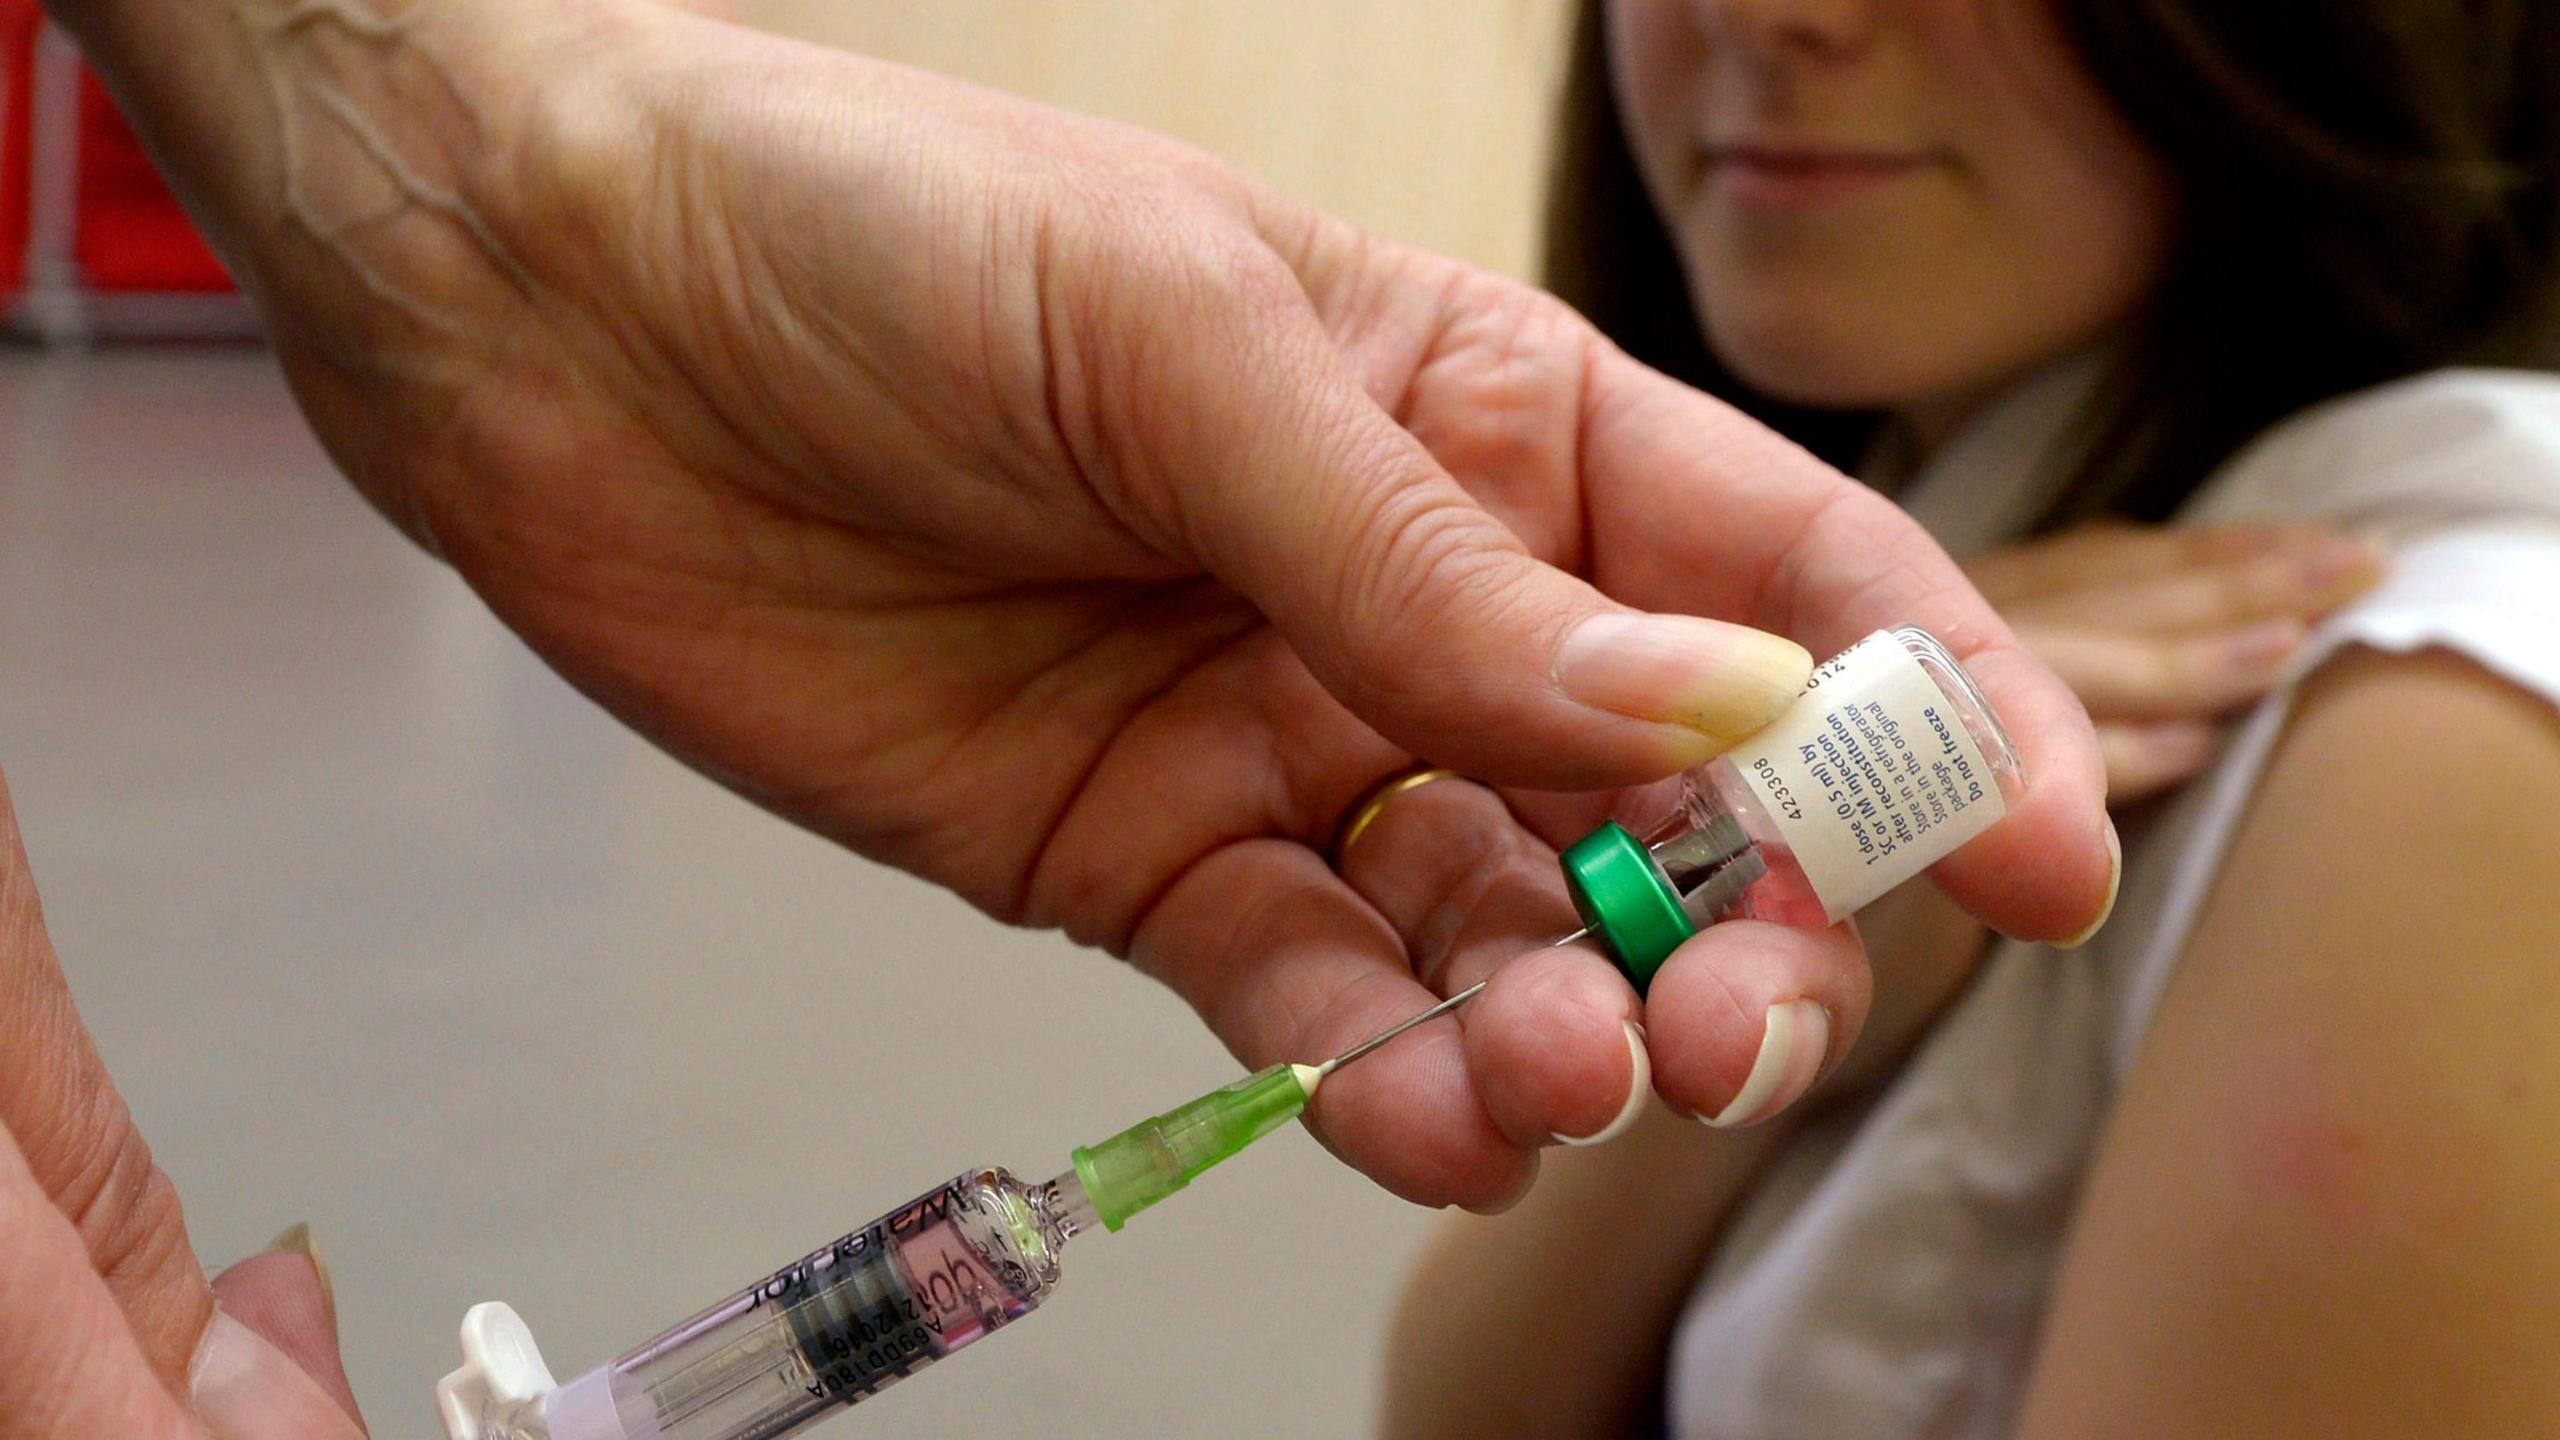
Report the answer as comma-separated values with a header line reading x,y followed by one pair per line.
x,y
1154,1158
1626,901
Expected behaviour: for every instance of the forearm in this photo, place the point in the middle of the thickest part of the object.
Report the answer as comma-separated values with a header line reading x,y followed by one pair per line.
x,y
395,184
351,160
186,72
1551,1319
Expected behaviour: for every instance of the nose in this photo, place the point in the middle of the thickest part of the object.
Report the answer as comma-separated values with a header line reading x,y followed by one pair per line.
x,y
1788,28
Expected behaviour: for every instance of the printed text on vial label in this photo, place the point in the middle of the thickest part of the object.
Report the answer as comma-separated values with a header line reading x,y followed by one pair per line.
x,y
1885,789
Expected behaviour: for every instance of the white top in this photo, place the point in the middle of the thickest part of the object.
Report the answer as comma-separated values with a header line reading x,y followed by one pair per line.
x,y
1887,1277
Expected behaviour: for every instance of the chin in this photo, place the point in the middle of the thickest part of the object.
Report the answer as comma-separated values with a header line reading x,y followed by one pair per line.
x,y
1826,362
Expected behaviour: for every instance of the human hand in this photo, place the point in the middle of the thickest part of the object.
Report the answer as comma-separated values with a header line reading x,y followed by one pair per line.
x,y
1044,508
107,1324
2163,631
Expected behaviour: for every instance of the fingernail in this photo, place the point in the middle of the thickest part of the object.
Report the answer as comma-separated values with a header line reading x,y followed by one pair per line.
x,y
1723,681
1640,1082
2338,559
2262,646
244,1388
226,1357
296,1239
2115,881
1793,1040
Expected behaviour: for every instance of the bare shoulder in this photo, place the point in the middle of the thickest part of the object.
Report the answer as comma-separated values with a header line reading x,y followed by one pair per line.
x,y
2328,1202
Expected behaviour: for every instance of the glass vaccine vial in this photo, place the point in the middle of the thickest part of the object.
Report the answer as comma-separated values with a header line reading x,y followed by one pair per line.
x,y
1889,762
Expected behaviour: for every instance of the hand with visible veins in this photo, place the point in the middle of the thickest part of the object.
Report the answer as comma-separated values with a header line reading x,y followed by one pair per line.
x,y
1044,508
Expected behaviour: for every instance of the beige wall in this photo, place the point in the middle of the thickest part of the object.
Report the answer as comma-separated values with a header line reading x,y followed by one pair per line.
x,y
1425,119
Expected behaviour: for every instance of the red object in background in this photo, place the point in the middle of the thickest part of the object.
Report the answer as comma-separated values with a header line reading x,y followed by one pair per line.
x,y
20,21
91,242
131,234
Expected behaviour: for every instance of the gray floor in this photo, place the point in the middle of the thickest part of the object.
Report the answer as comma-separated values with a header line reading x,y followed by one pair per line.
x,y
383,927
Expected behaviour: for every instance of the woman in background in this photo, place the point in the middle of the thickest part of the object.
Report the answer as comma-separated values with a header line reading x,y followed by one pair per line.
x,y
2148,308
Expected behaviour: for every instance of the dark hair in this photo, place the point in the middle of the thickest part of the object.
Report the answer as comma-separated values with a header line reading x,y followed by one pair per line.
x,y
2369,189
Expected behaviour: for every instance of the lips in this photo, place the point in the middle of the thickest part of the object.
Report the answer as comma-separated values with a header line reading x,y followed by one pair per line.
x,y
1799,176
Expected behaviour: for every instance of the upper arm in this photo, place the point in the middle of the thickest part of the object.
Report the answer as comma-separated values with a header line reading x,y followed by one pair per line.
x,y
2328,1202
1553,1319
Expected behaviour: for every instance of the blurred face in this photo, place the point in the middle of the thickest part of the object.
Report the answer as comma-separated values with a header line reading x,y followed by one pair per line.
x,y
1896,204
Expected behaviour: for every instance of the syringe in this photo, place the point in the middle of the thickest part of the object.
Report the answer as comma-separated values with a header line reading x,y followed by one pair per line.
x,y
845,1322
1891,760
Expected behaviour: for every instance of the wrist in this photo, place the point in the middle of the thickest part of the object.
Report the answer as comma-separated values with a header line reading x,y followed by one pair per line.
x,y
352,159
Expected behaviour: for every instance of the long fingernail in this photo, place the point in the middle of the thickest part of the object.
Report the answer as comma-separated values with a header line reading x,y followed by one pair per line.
x,y
1639,1084
1722,681
1793,1040
2115,882
244,1388
296,1239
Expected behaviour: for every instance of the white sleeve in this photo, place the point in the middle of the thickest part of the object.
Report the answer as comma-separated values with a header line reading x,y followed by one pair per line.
x,y
2487,589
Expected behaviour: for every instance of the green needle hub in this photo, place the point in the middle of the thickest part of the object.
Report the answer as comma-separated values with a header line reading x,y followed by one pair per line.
x,y
1626,900
1154,1158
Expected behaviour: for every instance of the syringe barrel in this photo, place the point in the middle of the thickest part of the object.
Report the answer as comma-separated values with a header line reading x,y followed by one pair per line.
x,y
831,1329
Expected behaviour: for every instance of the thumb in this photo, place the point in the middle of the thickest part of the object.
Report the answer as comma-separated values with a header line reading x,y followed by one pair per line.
x,y
1427,616
268,1365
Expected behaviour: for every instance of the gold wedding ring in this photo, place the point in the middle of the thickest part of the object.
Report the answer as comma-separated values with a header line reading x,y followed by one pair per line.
x,y
1359,817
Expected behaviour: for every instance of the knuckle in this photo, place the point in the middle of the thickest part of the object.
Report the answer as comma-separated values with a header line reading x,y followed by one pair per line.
x,y
1165,324
1495,882
1897,558
123,1204
2215,676
1175,248
1707,1049
2254,586
2173,671
1415,565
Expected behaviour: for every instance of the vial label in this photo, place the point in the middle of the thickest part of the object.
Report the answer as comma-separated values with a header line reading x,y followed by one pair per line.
x,y
1871,776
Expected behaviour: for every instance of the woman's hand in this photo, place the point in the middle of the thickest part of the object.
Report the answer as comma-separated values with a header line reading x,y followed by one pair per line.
x,y
2164,631
1046,509
106,1319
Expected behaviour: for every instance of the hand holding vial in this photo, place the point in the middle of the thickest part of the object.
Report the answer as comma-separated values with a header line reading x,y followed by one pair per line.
x,y
1891,761
1088,559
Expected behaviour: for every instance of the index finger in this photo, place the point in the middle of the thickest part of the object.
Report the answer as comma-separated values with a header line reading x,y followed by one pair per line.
x,y
2115,552
69,1364
1285,963
80,1144
1695,506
